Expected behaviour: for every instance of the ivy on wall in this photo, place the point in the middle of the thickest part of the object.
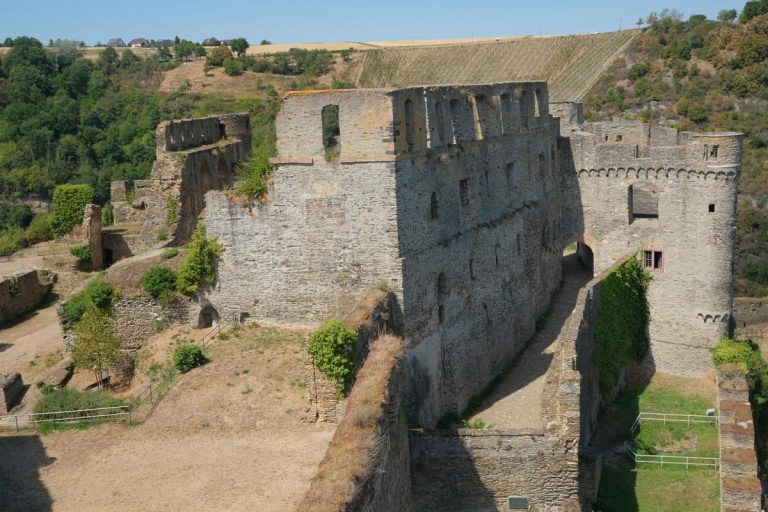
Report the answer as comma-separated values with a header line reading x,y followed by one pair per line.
x,y
68,205
622,321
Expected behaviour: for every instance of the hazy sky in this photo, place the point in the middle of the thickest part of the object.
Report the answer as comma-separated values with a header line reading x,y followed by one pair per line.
x,y
329,20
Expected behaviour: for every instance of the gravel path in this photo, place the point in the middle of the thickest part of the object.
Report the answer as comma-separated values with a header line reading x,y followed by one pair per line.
x,y
516,402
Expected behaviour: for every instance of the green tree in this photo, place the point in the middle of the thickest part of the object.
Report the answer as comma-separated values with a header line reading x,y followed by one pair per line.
x,y
184,49
96,348
727,15
752,9
333,348
239,45
200,51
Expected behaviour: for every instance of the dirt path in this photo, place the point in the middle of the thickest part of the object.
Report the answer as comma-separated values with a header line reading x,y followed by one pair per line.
x,y
228,436
36,339
516,402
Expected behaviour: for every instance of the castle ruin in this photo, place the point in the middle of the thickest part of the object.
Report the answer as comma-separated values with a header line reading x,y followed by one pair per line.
x,y
461,199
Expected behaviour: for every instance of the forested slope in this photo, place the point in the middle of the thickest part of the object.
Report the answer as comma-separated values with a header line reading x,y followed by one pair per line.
x,y
704,75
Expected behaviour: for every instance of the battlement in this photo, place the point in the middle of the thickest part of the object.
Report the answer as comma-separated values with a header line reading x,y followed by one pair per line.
x,y
635,144
380,125
21,292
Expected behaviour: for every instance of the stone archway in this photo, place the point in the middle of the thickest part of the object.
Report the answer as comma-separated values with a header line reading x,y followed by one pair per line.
x,y
208,317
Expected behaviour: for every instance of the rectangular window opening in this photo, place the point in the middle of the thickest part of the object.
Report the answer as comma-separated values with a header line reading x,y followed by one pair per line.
x,y
331,132
472,269
712,208
464,192
647,259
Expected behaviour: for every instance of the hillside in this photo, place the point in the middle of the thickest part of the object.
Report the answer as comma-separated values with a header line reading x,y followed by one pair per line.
x,y
703,75
571,64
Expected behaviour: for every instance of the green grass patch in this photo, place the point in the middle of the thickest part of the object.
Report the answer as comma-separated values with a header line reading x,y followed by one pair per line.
x,y
657,489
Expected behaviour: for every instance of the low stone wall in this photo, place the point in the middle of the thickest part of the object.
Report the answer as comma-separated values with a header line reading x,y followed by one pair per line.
x,y
480,469
21,292
740,489
750,319
134,319
12,387
371,318
366,466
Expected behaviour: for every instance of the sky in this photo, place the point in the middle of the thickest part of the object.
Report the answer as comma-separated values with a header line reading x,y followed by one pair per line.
x,y
327,21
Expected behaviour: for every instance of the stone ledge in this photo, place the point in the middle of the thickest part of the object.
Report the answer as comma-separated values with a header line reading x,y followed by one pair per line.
x,y
739,455
742,484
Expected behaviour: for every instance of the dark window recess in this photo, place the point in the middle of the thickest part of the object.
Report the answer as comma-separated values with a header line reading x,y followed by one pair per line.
x,y
409,124
472,269
712,208
496,250
644,203
713,151
619,138
657,263
440,313
464,192
331,131
433,206
442,285
440,122
519,246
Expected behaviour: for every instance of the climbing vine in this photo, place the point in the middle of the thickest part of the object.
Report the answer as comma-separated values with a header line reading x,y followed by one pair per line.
x,y
68,205
622,321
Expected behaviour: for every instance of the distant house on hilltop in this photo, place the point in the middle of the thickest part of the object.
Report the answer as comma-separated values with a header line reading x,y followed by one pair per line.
x,y
116,42
164,42
211,41
139,42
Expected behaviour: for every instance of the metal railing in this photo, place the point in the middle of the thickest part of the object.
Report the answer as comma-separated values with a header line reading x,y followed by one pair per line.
x,y
660,417
677,460
212,334
19,421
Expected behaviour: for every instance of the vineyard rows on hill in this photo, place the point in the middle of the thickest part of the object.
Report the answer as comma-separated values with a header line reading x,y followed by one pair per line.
x,y
570,64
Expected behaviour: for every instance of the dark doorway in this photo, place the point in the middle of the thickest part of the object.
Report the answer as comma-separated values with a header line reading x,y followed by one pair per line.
x,y
208,317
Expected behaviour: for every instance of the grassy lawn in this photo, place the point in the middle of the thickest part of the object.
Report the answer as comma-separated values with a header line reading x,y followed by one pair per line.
x,y
652,488
649,487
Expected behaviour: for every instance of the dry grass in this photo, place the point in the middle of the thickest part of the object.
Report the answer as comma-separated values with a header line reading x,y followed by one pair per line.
x,y
349,460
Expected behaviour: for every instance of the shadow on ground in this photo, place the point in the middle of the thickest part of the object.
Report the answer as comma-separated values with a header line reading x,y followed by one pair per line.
x,y
21,490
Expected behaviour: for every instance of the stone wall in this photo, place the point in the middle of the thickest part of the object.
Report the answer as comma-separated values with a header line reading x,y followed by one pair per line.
x,y
135,319
91,229
691,291
193,157
740,489
447,194
366,465
370,319
554,467
21,292
11,390
750,319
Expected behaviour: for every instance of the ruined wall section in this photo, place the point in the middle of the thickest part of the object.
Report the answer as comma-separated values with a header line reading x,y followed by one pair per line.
x,y
695,184
21,292
193,157
478,222
740,489
327,233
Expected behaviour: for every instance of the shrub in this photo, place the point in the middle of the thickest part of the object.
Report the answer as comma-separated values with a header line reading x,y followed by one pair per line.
x,y
107,215
98,294
233,67
255,176
333,348
82,252
218,55
188,356
729,351
74,400
157,281
68,204
199,266
169,253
